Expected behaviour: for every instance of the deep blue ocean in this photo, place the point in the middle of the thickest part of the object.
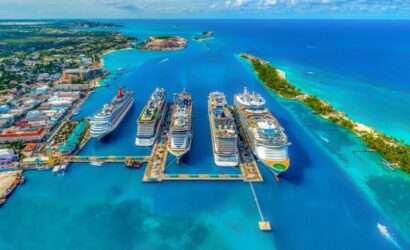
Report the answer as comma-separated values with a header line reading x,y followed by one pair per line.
x,y
333,196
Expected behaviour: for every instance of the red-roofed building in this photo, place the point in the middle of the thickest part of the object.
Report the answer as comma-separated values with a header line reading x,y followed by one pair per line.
x,y
32,135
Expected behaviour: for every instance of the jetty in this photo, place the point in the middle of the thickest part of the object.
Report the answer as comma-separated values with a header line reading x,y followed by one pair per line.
x,y
8,182
154,172
48,162
264,225
247,164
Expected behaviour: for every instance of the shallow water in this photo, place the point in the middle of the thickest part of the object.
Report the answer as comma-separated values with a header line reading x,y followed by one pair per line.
x,y
331,198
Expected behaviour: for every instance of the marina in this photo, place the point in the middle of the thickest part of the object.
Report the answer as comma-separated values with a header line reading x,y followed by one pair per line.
x,y
170,133
155,170
198,204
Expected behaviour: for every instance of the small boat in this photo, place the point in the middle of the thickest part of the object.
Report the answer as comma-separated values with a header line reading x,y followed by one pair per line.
x,y
383,230
96,163
390,166
59,169
134,164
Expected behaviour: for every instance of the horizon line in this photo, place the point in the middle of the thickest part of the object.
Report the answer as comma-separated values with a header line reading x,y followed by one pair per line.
x,y
218,18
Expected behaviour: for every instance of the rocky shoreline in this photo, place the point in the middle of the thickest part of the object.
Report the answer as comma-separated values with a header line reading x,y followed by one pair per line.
x,y
9,180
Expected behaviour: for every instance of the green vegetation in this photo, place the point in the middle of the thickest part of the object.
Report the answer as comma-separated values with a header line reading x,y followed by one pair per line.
x,y
163,37
272,80
395,152
26,51
318,106
17,146
64,131
390,149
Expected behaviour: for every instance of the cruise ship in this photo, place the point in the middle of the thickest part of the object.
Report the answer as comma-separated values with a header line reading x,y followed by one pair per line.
x,y
180,129
150,120
223,131
108,119
262,131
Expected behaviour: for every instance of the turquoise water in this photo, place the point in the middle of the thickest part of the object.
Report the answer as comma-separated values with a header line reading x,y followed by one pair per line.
x,y
332,197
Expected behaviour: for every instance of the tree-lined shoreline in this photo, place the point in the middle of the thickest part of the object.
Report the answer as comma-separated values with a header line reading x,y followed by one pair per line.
x,y
396,152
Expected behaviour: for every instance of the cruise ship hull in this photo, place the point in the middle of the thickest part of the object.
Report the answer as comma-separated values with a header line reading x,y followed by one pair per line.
x,y
178,153
179,137
147,142
219,159
277,166
226,161
99,136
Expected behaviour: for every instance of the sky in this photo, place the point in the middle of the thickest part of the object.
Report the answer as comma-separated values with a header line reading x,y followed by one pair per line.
x,y
40,9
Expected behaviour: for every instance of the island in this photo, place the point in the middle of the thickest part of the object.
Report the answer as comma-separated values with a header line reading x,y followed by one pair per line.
x,y
163,43
395,152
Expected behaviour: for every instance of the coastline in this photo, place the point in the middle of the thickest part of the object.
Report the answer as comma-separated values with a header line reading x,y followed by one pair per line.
x,y
9,181
106,53
392,150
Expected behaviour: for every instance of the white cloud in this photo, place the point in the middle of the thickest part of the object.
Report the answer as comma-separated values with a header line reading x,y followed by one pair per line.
x,y
237,3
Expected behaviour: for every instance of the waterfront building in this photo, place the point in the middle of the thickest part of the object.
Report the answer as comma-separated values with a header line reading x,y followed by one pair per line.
x,y
7,157
28,149
73,140
81,74
24,135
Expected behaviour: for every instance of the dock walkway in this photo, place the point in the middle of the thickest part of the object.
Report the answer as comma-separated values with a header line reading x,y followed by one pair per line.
x,y
155,170
249,167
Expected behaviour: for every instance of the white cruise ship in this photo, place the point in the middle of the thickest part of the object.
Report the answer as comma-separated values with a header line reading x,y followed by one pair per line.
x,y
262,131
108,119
180,130
223,131
150,120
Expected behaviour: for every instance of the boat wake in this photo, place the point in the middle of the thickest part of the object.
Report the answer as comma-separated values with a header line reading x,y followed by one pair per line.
x,y
164,60
386,234
324,138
